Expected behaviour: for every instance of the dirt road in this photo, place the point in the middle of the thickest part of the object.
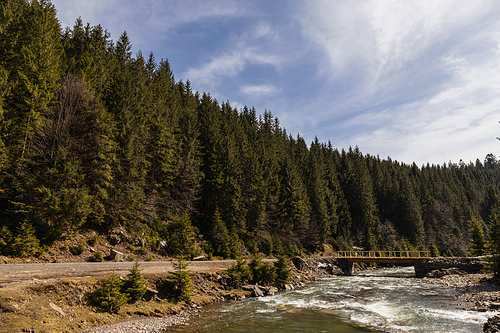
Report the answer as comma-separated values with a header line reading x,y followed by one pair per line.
x,y
16,273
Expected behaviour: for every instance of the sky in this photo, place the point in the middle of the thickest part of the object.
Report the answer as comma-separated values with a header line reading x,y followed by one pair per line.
x,y
416,81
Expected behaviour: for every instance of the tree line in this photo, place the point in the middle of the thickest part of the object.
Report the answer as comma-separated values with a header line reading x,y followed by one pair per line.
x,y
92,137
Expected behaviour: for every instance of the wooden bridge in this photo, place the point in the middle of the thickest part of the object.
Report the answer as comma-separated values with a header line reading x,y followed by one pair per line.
x,y
346,259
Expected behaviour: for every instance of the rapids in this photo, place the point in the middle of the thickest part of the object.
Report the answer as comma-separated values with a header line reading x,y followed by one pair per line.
x,y
388,300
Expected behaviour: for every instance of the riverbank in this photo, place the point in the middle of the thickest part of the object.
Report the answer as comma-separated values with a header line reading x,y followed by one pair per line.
x,y
478,292
62,305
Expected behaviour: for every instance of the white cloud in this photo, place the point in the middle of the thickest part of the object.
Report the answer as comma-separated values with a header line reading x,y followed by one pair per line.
x,y
228,64
241,51
169,14
376,40
458,122
263,89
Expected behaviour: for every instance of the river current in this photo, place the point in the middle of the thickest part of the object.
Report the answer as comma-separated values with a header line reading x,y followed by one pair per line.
x,y
389,300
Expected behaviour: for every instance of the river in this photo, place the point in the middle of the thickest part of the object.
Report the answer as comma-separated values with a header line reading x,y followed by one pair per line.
x,y
388,300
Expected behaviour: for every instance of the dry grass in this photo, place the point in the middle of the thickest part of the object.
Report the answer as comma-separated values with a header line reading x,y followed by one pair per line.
x,y
63,307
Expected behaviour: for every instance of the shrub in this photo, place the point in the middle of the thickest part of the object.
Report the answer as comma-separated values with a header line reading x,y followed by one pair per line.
x,y
97,257
5,239
282,271
262,272
240,272
131,248
93,240
25,242
135,286
77,250
108,296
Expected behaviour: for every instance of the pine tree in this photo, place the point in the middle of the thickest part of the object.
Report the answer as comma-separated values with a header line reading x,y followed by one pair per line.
x,y
108,296
494,235
24,242
32,56
219,236
295,207
182,279
478,242
72,156
358,190
135,286
282,271
181,238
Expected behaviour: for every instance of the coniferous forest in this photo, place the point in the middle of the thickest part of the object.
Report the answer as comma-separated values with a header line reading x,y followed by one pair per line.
x,y
93,137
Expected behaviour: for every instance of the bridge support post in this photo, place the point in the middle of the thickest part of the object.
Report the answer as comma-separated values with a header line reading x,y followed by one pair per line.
x,y
346,266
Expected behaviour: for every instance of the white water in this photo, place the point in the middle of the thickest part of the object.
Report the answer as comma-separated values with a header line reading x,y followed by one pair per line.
x,y
374,301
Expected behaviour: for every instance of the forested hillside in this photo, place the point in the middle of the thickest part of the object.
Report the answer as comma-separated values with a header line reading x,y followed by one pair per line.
x,y
93,137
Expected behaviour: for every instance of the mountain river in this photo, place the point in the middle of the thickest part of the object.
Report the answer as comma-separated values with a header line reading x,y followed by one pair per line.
x,y
388,300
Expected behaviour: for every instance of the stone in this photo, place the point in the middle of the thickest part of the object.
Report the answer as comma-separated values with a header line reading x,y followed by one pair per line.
x,y
248,287
300,263
271,291
57,309
150,294
140,242
257,292
117,236
116,255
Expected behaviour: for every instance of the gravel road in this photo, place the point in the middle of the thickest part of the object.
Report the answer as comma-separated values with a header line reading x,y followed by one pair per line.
x,y
16,273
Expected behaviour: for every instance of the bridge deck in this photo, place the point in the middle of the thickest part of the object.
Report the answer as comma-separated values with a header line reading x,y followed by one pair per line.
x,y
347,259
401,257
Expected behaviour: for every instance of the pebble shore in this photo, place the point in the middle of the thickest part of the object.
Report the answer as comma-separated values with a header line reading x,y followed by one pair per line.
x,y
149,325
477,291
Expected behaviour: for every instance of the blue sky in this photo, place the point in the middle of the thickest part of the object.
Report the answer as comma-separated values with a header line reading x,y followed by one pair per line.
x,y
418,81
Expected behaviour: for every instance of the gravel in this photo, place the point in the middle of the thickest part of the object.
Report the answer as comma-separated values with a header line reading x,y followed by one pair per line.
x,y
149,325
478,292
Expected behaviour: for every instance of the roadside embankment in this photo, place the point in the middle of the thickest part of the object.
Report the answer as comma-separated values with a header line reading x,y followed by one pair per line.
x,y
63,304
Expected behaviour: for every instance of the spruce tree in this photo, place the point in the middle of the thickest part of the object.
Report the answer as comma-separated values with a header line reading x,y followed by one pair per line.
x,y
478,242
494,236
135,286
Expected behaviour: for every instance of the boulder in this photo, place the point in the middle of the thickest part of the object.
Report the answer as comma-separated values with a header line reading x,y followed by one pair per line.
x,y
150,294
300,263
271,291
492,325
117,236
257,292
116,255
248,287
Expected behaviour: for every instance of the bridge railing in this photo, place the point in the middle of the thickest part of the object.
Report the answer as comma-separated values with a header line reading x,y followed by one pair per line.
x,y
383,254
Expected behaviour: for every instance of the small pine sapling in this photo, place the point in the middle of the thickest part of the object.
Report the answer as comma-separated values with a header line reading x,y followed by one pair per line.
x,y
135,286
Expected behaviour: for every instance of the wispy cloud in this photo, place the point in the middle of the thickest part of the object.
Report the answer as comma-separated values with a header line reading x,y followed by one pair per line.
x,y
241,51
411,80
263,89
169,14
457,122
379,41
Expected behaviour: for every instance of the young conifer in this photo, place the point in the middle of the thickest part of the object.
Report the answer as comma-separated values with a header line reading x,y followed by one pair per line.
x,y
135,286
